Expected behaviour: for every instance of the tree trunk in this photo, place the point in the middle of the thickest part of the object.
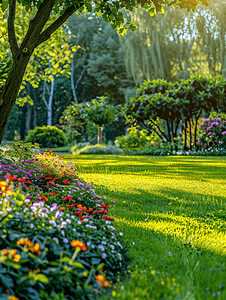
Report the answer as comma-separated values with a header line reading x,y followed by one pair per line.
x,y
185,135
99,137
11,88
35,110
28,118
190,134
49,104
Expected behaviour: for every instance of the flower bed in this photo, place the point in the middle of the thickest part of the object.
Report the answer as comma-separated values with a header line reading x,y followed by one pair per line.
x,y
56,237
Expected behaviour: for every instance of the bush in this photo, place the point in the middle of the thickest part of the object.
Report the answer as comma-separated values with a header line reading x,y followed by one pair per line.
x,y
97,149
213,133
135,138
47,136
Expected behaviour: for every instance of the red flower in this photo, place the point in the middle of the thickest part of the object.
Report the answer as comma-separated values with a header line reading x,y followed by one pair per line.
x,y
66,182
56,178
49,178
11,177
109,219
53,193
21,180
96,212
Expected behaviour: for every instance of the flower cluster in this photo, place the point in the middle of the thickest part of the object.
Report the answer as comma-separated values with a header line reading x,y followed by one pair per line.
x,y
34,248
10,254
58,210
213,133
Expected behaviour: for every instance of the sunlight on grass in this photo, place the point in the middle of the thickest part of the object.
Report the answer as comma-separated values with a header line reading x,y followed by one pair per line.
x,y
172,213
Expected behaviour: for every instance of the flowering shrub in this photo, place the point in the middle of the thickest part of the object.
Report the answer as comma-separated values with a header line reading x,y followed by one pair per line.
x,y
213,133
56,237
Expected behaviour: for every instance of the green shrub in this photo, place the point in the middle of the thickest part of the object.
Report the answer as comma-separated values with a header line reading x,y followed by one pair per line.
x,y
135,138
97,149
47,136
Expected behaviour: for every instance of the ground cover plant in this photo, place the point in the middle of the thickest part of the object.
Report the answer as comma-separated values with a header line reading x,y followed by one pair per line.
x,y
57,240
171,211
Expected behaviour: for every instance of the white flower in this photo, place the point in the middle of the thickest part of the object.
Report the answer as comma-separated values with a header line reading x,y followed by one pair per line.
x,y
31,225
92,246
74,229
119,255
68,220
63,233
103,242
112,247
79,222
63,224
120,233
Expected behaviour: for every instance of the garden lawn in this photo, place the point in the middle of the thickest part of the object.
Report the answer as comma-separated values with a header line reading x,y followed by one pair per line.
x,y
171,211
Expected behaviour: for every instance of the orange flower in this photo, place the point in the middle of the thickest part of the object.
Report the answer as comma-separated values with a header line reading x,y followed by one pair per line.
x,y
62,208
13,298
102,281
78,244
81,207
16,257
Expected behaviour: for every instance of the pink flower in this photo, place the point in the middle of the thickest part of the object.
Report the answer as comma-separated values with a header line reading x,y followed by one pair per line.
x,y
223,132
197,143
220,142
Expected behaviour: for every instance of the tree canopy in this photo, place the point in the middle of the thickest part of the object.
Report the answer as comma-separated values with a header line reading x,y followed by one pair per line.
x,y
42,25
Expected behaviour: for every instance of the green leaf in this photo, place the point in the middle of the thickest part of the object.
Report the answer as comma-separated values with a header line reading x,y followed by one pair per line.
x,y
100,266
4,5
42,278
78,265
89,7
32,255
133,27
13,265
65,259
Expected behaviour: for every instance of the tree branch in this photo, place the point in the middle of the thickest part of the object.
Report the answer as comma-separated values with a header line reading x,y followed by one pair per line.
x,y
11,29
80,77
45,35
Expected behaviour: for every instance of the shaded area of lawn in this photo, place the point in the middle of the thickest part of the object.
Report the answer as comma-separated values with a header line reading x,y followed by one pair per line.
x,y
172,213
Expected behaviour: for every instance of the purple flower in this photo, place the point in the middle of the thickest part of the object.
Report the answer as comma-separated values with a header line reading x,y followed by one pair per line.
x,y
104,255
197,143
220,142
223,132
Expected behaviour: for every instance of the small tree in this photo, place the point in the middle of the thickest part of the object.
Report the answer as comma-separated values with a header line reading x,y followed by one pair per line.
x,y
101,113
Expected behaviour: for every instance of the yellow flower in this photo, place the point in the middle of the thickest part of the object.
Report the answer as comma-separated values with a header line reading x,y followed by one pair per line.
x,y
13,298
16,257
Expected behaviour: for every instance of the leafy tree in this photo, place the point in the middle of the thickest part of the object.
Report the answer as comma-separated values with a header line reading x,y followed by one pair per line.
x,y
107,66
38,32
100,113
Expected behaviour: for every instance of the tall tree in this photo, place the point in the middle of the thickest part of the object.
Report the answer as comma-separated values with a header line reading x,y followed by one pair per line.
x,y
38,32
107,66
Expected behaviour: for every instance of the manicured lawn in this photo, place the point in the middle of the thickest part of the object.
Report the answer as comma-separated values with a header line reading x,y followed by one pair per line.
x,y
172,214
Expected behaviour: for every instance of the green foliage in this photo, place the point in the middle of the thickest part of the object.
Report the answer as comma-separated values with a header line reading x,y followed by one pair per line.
x,y
5,66
47,136
107,66
100,112
21,150
176,103
76,125
96,149
135,138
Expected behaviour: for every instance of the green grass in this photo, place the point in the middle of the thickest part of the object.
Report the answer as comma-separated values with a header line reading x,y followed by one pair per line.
x,y
172,214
